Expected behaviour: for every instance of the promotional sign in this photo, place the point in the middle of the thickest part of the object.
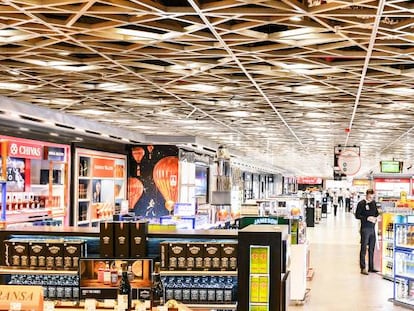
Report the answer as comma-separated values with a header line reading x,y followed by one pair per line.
x,y
103,167
25,150
309,180
349,162
21,297
54,153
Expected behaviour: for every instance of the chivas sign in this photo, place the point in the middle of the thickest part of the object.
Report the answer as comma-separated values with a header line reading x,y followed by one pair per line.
x,y
24,150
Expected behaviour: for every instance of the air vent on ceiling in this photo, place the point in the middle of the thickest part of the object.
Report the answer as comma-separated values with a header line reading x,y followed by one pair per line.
x,y
64,126
30,119
92,132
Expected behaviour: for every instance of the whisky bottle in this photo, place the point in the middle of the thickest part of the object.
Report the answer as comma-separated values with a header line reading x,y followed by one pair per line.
x,y
157,290
124,293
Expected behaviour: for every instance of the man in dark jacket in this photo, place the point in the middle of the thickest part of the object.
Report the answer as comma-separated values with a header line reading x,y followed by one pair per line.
x,y
367,212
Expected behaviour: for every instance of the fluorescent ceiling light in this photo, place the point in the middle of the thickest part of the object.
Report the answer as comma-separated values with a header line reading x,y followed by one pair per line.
x,y
143,101
61,65
311,104
138,34
15,86
115,87
94,112
309,89
76,68
317,115
56,101
404,91
199,87
239,113
188,65
295,18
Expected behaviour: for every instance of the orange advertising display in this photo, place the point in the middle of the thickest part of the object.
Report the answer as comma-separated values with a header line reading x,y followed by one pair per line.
x,y
21,297
103,167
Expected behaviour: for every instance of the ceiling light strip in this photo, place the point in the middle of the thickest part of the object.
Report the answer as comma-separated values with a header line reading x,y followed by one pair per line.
x,y
230,52
377,21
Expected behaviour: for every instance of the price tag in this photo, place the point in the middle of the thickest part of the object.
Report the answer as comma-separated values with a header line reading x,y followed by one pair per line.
x,y
90,304
15,306
49,306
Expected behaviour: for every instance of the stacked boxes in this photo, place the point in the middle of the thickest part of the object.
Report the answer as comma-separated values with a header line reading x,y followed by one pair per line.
x,y
123,239
198,256
46,254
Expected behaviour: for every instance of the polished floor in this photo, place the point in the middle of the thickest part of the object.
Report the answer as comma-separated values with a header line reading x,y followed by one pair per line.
x,y
337,283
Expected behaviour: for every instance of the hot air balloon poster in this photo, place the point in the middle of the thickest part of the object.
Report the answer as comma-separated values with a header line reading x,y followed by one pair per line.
x,y
153,180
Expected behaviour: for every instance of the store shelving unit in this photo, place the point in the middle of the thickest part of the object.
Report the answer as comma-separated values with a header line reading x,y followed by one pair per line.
x,y
404,263
105,172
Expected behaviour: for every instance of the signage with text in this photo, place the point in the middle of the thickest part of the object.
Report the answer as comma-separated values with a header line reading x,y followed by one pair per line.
x,y
24,150
25,296
103,167
309,180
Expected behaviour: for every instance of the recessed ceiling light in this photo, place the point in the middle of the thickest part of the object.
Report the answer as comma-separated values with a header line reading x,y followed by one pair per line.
x,y
54,134
24,129
398,91
198,87
95,112
115,87
295,18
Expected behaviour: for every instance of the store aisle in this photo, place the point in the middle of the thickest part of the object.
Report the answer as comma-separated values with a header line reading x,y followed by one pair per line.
x,y
337,283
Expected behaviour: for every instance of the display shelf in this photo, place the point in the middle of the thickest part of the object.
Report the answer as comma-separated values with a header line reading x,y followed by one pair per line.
x,y
197,273
17,270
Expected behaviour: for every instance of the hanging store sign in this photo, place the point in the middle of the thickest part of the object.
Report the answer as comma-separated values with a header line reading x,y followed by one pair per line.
x,y
103,167
309,180
25,150
54,153
349,162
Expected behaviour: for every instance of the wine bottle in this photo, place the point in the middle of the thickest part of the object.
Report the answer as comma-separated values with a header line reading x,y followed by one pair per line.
x,y
124,293
157,290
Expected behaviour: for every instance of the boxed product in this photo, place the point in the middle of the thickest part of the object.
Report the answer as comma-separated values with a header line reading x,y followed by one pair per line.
x,y
72,252
177,255
17,252
228,256
195,256
106,236
164,261
54,254
37,253
121,239
212,256
138,232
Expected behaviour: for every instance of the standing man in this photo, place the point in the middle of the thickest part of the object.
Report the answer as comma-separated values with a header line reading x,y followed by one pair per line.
x,y
367,212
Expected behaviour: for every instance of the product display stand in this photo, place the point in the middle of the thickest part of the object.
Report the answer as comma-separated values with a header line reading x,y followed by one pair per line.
x,y
262,257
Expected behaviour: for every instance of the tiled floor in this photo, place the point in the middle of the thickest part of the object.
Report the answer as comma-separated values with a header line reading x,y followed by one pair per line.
x,y
337,283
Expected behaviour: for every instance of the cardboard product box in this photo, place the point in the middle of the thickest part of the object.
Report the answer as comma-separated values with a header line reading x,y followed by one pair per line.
x,y
37,253
54,254
17,252
228,256
106,237
195,256
72,252
121,239
164,261
177,256
138,232
212,256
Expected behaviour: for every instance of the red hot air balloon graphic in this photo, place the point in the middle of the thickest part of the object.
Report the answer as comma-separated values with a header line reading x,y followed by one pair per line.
x,y
135,190
138,153
165,176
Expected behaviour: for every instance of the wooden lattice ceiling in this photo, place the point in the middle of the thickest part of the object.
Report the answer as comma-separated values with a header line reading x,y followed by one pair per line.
x,y
278,80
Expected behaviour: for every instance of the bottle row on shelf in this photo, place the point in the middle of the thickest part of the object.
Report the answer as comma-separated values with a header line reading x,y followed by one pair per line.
x,y
201,289
16,201
404,264
405,235
54,286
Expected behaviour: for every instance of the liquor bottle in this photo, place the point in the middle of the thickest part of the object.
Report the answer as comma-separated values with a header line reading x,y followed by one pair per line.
x,y
130,273
114,275
157,290
107,274
124,293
